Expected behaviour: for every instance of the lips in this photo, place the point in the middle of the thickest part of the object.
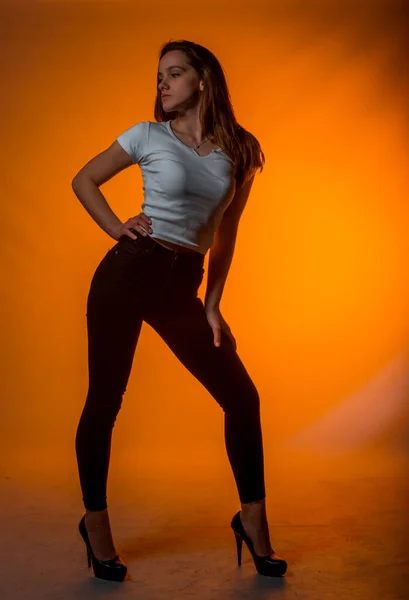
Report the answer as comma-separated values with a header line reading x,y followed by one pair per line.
x,y
165,96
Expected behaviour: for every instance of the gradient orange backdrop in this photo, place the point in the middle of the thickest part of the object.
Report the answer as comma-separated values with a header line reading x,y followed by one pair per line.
x,y
318,293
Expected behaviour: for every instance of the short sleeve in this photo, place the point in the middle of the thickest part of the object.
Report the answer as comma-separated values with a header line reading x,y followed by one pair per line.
x,y
135,140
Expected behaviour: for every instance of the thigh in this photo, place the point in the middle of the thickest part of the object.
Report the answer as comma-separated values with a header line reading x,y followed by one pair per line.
x,y
186,331
114,321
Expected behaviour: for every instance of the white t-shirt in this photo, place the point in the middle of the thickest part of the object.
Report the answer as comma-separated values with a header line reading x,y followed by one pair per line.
x,y
185,194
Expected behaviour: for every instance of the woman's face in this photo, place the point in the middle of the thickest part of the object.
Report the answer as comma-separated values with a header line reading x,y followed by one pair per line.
x,y
178,79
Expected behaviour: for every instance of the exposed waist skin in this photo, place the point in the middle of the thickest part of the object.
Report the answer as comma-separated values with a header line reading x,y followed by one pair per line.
x,y
172,246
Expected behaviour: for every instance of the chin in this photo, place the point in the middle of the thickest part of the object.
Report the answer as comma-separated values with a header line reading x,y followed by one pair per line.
x,y
168,107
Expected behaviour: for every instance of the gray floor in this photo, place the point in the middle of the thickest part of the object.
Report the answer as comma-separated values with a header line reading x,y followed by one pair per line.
x,y
341,524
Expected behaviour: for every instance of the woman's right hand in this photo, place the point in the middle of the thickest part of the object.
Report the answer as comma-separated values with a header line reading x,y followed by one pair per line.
x,y
141,223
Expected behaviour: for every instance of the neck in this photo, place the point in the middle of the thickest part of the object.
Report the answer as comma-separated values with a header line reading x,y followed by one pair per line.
x,y
189,126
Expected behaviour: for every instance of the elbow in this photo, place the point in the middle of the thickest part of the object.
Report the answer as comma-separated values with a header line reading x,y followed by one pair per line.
x,y
75,181
77,185
78,180
74,187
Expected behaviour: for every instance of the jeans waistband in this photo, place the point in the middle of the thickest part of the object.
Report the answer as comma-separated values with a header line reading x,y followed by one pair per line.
x,y
149,245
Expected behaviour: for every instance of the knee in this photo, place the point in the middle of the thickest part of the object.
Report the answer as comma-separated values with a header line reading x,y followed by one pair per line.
x,y
103,407
252,400
246,402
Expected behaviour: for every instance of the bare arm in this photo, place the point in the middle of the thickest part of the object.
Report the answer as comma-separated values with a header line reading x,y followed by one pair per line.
x,y
95,173
222,250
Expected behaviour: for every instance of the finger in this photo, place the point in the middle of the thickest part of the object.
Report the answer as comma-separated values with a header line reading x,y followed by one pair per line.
x,y
139,228
131,235
146,218
216,336
143,223
142,218
148,223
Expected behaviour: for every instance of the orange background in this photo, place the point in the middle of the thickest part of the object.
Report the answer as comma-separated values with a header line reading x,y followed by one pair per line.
x,y
318,292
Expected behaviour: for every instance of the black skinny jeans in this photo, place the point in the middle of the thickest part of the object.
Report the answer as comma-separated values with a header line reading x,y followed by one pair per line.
x,y
141,280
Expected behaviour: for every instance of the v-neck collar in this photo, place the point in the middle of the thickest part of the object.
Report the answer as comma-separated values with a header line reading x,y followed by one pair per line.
x,y
169,128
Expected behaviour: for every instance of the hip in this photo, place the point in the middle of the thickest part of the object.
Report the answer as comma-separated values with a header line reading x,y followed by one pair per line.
x,y
148,269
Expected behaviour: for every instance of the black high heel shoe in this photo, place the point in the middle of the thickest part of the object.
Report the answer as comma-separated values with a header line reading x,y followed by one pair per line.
x,y
271,565
113,569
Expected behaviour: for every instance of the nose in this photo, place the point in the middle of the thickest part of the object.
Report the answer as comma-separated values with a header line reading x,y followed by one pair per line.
x,y
162,87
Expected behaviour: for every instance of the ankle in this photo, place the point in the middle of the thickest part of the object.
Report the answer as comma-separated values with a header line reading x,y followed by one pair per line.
x,y
96,512
97,518
254,504
257,507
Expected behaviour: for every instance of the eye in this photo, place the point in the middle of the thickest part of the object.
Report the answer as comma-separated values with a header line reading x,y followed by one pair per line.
x,y
172,75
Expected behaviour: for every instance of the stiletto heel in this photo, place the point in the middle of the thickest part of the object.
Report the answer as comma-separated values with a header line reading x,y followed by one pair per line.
x,y
271,565
113,569
239,544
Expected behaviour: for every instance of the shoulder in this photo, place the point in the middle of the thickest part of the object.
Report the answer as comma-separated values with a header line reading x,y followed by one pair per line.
x,y
134,140
136,129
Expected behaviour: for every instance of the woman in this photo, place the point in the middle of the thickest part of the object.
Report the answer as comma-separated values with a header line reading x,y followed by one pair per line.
x,y
198,167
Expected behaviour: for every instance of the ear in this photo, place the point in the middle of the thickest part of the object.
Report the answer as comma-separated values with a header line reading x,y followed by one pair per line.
x,y
201,85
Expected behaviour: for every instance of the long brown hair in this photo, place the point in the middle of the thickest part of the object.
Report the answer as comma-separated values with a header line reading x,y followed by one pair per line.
x,y
216,113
